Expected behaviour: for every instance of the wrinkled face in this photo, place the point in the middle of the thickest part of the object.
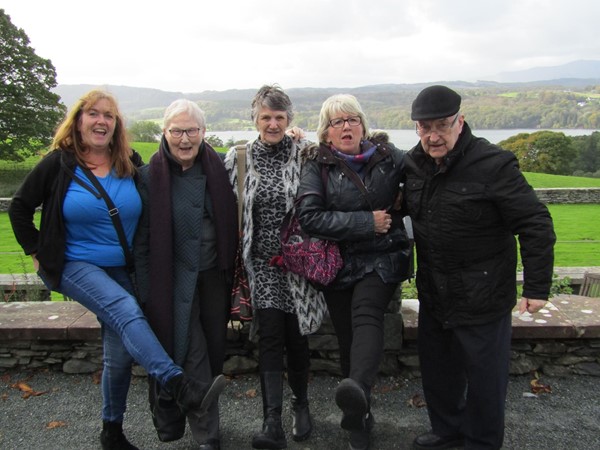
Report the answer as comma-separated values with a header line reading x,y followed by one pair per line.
x,y
184,148
345,133
97,125
439,136
271,125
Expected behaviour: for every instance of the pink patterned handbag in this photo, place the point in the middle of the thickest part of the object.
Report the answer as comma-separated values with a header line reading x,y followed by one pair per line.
x,y
317,260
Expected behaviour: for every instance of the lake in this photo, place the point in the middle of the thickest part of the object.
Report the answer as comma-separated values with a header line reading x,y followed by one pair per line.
x,y
403,139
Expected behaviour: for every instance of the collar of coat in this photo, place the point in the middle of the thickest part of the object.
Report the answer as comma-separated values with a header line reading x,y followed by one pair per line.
x,y
323,153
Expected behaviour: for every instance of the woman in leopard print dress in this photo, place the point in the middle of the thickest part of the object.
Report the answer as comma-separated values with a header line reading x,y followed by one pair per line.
x,y
286,307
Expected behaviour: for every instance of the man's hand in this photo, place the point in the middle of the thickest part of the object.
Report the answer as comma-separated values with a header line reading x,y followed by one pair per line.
x,y
531,305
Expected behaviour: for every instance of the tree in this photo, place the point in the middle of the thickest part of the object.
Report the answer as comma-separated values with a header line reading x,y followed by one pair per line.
x,y
542,152
588,153
29,112
214,140
144,131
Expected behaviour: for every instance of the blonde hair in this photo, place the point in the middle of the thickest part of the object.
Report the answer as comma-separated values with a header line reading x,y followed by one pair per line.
x,y
68,138
333,107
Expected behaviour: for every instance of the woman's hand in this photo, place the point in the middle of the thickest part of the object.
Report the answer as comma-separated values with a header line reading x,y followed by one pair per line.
x,y
383,221
296,133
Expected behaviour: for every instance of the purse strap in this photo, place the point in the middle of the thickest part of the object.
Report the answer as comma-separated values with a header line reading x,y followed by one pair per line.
x,y
352,175
241,175
113,212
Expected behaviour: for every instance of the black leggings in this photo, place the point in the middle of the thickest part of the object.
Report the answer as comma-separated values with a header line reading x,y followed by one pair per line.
x,y
279,331
357,314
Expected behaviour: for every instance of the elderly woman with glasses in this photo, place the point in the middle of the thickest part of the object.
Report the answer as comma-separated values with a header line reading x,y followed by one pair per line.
x,y
185,249
286,307
348,189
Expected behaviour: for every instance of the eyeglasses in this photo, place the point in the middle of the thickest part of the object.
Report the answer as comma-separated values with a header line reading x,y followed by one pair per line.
x,y
441,129
191,132
353,121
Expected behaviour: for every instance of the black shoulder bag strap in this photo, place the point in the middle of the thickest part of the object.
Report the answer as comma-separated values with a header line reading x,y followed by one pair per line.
x,y
113,212
356,179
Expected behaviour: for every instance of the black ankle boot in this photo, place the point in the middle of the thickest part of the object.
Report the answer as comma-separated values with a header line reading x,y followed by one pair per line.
x,y
302,423
361,439
193,395
169,421
351,399
272,435
112,437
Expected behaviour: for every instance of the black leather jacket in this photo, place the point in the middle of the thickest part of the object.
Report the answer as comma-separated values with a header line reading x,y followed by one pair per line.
x,y
344,214
465,216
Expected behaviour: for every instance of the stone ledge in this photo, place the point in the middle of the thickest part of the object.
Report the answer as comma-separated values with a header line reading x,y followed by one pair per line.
x,y
47,321
564,317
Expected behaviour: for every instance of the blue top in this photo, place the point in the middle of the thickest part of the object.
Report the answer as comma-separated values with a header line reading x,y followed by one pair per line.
x,y
91,235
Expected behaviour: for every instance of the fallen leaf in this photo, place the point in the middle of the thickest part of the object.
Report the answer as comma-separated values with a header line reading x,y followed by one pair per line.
x,y
27,390
56,424
538,387
416,401
97,377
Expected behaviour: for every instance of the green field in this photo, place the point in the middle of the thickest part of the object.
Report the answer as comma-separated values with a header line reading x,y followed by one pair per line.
x,y
147,149
576,226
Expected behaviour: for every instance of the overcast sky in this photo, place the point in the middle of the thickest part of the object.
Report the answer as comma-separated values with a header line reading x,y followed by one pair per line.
x,y
193,46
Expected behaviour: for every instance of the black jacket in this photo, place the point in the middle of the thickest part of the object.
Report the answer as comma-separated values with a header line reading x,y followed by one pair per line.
x,y
465,216
345,214
46,185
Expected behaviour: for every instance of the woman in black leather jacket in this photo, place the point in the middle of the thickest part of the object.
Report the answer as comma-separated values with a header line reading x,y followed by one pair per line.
x,y
347,192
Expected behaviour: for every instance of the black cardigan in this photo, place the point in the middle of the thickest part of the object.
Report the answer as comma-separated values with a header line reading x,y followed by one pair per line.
x,y
46,185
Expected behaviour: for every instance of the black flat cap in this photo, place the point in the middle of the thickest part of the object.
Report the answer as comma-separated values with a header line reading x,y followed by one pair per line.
x,y
435,102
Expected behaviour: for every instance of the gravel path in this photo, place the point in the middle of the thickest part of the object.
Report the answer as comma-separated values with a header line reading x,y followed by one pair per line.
x,y
67,415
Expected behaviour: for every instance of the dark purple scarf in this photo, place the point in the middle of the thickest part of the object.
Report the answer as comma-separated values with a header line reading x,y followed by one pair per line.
x,y
159,308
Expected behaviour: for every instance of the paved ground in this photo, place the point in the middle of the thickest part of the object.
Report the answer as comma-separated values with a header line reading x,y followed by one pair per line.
x,y
67,415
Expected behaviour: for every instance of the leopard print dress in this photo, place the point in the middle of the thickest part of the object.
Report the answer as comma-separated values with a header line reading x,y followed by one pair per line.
x,y
271,285
272,175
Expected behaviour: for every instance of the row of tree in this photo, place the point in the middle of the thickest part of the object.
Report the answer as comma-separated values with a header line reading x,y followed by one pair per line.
x,y
555,153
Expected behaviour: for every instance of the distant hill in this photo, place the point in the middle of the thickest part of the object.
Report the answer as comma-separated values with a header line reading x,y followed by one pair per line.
x,y
576,69
565,101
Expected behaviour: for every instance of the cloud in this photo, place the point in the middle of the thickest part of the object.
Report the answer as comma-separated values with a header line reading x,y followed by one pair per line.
x,y
194,46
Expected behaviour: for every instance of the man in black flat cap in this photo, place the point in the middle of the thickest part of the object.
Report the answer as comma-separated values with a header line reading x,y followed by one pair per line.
x,y
468,200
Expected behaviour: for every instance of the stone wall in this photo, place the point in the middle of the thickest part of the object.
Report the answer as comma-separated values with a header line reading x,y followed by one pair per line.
x,y
555,357
574,195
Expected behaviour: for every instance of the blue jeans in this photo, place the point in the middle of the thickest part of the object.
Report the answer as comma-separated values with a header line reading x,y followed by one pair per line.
x,y
125,331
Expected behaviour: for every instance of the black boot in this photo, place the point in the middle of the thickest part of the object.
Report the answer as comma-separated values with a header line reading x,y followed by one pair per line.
x,y
351,399
272,435
193,395
361,439
112,437
302,423
168,420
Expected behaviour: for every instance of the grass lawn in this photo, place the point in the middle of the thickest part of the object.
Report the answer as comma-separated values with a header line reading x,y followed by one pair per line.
x,y
147,149
576,226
